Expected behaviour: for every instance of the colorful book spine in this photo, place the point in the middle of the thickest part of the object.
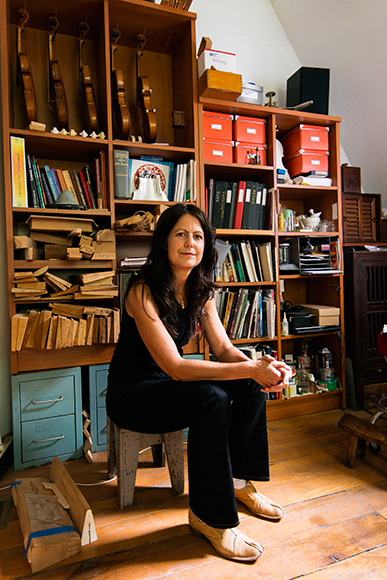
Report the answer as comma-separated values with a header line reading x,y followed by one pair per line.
x,y
18,172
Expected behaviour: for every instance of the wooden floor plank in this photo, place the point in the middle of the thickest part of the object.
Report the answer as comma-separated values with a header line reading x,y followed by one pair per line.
x,y
334,528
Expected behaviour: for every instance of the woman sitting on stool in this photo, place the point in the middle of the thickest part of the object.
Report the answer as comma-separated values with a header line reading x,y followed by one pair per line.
x,y
153,389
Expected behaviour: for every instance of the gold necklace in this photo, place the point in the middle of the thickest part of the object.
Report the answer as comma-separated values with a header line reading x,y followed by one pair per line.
x,y
182,301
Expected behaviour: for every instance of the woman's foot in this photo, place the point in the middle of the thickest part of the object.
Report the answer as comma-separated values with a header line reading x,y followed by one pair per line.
x,y
258,504
229,543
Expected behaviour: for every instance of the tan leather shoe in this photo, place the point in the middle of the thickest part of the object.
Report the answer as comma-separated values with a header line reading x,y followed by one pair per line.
x,y
229,543
258,504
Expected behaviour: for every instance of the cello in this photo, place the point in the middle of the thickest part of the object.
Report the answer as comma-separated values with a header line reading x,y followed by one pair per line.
x,y
144,92
120,106
85,84
24,71
57,100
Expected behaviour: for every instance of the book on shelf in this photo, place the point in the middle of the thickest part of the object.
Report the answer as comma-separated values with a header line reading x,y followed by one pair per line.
x,y
242,263
184,182
121,174
266,258
237,225
18,172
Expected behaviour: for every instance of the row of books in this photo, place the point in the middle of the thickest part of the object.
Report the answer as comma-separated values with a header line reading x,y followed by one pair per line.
x,y
46,183
239,205
54,329
248,261
246,314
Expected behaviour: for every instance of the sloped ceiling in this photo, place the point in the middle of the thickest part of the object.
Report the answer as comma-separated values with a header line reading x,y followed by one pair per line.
x,y
349,37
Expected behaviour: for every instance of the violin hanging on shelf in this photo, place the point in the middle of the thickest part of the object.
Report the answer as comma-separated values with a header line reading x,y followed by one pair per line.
x,y
120,106
24,74
85,83
57,100
149,123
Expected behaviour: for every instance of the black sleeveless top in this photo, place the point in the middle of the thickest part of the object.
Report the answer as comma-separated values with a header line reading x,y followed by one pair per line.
x,y
132,362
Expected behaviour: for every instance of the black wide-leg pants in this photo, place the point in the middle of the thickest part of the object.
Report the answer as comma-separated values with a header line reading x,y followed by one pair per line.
x,y
227,434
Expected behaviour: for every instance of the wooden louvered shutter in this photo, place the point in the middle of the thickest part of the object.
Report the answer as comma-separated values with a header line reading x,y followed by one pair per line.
x,y
352,231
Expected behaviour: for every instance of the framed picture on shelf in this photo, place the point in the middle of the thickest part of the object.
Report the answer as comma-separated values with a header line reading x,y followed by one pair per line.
x,y
141,168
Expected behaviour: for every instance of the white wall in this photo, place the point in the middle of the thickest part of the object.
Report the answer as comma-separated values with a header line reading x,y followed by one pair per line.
x,y
349,37
251,30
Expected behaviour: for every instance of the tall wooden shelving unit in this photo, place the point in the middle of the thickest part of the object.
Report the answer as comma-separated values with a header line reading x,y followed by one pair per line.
x,y
169,62
319,289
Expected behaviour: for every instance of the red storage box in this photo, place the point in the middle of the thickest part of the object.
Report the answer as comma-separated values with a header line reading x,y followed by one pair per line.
x,y
241,150
306,161
310,137
218,151
217,126
249,130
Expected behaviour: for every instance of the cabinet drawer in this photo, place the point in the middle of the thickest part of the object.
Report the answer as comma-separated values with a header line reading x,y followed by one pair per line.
x,y
48,437
46,394
101,426
101,379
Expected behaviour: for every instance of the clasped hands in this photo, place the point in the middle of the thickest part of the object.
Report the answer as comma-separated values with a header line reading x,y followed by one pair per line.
x,y
274,374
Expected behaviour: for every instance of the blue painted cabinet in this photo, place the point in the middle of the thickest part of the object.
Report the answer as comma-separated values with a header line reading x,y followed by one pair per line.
x,y
47,416
95,385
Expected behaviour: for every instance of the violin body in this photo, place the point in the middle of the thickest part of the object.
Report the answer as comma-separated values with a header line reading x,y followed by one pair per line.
x,y
120,106
57,100
24,70
148,113
86,85
149,123
28,87
89,99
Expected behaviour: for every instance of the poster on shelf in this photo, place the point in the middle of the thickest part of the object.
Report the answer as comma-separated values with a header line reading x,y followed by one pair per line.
x,y
142,168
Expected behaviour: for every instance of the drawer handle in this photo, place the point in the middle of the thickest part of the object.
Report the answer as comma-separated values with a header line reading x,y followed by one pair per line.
x,y
45,402
52,439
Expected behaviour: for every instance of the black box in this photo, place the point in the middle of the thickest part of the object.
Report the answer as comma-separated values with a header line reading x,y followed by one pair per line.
x,y
309,84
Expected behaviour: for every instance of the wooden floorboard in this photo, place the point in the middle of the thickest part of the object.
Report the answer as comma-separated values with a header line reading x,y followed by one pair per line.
x,y
334,528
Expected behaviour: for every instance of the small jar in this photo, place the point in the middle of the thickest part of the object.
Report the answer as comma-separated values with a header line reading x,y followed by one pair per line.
x,y
283,250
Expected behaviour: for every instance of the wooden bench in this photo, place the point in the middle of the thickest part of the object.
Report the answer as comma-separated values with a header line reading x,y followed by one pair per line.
x,y
360,431
123,450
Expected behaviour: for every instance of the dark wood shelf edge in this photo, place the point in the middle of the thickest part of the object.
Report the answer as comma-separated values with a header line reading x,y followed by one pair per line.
x,y
304,405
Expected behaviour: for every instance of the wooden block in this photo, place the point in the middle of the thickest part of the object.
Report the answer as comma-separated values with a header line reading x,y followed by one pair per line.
x,y
55,252
70,310
103,256
104,236
73,254
31,254
216,84
21,242
86,241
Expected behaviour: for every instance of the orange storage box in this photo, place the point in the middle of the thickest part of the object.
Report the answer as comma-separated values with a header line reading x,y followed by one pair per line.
x,y
310,137
218,151
249,130
217,126
306,161
242,149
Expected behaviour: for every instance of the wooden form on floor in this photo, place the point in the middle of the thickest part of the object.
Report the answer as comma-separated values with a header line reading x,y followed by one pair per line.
x,y
55,519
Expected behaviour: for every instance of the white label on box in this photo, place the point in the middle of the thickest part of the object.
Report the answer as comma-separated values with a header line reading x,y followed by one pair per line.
x,y
252,131
223,61
229,195
240,198
315,162
248,195
218,153
216,126
314,138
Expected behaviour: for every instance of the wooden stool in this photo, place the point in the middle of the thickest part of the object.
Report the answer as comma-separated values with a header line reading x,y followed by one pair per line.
x,y
123,450
360,431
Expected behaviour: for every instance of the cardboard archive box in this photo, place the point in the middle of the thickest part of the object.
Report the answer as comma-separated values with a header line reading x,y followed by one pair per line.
x,y
325,315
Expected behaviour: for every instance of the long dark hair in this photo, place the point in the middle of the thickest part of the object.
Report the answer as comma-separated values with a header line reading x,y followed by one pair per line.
x,y
156,274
